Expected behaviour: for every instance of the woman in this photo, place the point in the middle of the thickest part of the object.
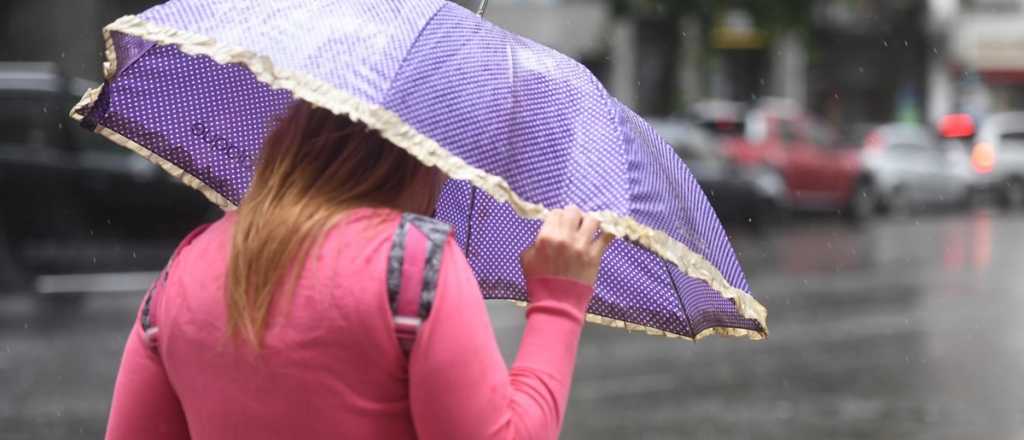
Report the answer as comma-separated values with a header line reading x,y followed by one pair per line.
x,y
278,321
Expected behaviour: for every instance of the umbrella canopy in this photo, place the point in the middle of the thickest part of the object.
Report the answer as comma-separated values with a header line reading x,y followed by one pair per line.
x,y
195,85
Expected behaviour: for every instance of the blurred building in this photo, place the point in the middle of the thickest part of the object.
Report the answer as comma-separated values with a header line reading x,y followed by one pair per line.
x,y
848,61
981,69
63,31
867,60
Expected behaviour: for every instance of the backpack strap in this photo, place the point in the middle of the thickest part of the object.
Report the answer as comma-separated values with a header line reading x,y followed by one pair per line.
x,y
413,267
146,319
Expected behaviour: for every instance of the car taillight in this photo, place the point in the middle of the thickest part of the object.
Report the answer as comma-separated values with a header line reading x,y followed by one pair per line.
x,y
956,126
983,157
874,142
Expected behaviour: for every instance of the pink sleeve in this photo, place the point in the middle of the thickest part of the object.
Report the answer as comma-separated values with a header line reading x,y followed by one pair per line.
x,y
459,384
144,404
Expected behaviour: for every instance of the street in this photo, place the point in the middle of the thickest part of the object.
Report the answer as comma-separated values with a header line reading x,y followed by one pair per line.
x,y
903,328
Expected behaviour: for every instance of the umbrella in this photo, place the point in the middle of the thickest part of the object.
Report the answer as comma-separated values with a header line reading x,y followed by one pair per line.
x,y
194,85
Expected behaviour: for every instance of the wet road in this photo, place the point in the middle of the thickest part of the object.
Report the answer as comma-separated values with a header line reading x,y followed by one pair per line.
x,y
903,328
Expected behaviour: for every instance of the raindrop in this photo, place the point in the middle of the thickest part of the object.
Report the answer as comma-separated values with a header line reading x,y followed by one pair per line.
x,y
93,259
108,220
885,43
860,68
684,34
62,55
44,109
934,50
26,325
906,44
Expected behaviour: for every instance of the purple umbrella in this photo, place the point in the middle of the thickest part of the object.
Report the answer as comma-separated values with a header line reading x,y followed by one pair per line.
x,y
194,86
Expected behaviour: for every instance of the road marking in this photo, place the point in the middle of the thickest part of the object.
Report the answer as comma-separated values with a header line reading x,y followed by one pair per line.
x,y
113,282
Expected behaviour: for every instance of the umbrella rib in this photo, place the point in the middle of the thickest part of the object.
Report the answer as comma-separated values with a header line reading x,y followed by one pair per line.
x,y
469,221
682,305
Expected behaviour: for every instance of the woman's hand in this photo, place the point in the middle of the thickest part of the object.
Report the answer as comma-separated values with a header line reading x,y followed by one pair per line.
x,y
567,246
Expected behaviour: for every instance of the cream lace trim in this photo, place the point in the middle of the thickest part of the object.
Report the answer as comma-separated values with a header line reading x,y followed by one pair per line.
x,y
423,148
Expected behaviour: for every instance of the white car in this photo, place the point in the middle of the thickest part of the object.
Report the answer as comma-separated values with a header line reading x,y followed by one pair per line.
x,y
911,168
997,158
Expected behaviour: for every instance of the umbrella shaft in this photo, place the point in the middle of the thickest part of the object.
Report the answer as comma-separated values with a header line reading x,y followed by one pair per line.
x,y
481,8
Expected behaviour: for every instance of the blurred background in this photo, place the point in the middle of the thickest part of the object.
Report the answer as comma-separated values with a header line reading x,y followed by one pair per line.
x,y
866,157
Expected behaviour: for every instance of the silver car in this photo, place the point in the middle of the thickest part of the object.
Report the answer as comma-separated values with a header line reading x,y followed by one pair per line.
x,y
911,168
997,158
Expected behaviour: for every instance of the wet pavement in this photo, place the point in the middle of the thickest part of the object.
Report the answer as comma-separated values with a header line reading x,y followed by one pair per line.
x,y
901,328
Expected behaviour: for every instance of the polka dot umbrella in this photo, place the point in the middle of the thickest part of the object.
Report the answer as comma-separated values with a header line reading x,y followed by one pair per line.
x,y
194,86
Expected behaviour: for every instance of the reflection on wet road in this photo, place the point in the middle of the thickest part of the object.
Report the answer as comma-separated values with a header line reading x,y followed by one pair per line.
x,y
902,328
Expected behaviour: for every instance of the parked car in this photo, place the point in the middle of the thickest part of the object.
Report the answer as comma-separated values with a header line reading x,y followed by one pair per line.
x,y
79,213
745,193
819,173
912,168
997,158
722,118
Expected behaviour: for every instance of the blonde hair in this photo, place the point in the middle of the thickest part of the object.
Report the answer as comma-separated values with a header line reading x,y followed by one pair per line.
x,y
313,166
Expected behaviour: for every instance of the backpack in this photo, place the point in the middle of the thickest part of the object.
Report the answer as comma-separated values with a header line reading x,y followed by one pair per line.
x,y
414,264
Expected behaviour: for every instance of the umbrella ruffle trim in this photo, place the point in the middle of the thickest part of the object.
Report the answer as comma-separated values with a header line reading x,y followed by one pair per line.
x,y
168,166
427,150
637,328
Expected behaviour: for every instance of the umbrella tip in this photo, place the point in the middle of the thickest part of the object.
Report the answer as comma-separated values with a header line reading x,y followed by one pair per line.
x,y
482,8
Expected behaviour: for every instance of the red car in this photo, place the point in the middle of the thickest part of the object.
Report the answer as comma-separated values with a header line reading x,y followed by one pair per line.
x,y
819,173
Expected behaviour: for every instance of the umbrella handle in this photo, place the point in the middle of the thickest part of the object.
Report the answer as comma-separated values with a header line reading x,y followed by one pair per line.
x,y
481,8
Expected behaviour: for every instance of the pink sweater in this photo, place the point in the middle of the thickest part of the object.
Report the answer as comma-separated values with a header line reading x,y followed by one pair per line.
x,y
331,367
